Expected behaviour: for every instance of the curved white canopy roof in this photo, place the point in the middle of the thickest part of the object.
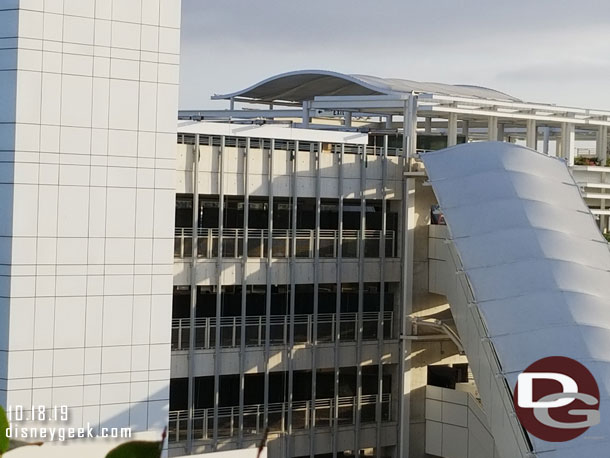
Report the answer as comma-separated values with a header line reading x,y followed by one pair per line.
x,y
306,84
538,267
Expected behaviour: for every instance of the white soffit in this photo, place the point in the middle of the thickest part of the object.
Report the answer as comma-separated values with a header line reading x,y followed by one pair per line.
x,y
537,264
277,131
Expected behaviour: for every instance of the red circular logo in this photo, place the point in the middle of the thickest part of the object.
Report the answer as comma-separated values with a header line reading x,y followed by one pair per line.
x,y
557,399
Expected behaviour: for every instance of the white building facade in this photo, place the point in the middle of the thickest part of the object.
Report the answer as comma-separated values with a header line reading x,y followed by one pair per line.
x,y
87,136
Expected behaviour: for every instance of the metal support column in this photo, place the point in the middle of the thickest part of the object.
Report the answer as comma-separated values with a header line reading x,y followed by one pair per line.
x,y
531,138
219,263
568,142
360,325
452,123
492,129
269,278
339,242
381,324
316,290
194,244
428,125
601,145
347,120
546,137
501,135
406,286
388,122
305,116
466,130
603,219
244,287
293,248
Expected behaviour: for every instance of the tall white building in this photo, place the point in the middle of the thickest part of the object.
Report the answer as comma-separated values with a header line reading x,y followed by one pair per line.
x,y
88,92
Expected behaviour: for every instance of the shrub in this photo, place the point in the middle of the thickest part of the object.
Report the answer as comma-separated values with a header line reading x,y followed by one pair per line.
x,y
580,160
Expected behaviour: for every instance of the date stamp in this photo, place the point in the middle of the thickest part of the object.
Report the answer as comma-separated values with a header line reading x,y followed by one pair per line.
x,y
19,413
53,423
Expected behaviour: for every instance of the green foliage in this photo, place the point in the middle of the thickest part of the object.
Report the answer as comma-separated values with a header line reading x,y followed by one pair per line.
x,y
580,160
4,441
608,162
7,444
607,235
137,449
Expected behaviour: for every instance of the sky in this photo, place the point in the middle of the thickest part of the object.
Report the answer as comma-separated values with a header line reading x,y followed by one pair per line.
x,y
551,51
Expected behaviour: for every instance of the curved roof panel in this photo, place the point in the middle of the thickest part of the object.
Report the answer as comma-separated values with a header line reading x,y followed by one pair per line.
x,y
537,265
306,84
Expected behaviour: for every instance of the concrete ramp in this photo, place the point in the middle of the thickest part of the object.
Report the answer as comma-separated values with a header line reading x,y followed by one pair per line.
x,y
528,276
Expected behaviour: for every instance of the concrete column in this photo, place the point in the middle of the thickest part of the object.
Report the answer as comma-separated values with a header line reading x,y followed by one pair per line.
x,y
194,245
306,114
501,132
466,129
428,125
546,136
347,120
219,269
602,144
603,219
244,288
388,122
452,129
568,142
492,129
531,137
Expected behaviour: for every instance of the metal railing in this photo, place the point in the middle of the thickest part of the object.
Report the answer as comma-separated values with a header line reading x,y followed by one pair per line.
x,y
232,243
279,328
305,414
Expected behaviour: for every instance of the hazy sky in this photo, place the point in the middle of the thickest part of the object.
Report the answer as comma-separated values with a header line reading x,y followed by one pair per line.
x,y
554,51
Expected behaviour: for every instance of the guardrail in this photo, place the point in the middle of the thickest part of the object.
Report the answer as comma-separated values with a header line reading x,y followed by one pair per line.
x,y
279,328
232,243
305,414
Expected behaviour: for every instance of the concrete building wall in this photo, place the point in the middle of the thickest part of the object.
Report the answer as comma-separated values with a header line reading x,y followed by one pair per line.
x,y
320,171
426,304
259,172
456,425
88,176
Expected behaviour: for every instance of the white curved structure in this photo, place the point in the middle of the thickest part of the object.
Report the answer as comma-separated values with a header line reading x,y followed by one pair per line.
x,y
303,85
535,280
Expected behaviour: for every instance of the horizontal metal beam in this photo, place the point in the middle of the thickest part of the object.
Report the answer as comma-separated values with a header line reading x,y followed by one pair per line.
x,y
243,114
510,105
501,114
269,113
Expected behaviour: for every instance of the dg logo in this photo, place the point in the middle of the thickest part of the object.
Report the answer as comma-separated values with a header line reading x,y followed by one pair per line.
x,y
557,399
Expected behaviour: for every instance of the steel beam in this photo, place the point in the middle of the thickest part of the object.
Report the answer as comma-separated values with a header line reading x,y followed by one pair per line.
x,y
568,146
193,311
452,129
531,140
219,265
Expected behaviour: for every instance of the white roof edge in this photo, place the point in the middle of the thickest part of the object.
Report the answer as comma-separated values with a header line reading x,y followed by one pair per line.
x,y
277,131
